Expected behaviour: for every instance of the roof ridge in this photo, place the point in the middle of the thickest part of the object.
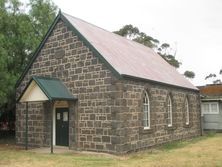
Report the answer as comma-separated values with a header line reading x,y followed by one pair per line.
x,y
111,54
134,67
86,22
129,40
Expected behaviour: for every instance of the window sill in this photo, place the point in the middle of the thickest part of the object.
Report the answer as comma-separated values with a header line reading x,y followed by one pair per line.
x,y
187,125
146,130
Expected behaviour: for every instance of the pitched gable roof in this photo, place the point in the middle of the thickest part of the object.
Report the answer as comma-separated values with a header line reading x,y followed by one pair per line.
x,y
126,57
45,88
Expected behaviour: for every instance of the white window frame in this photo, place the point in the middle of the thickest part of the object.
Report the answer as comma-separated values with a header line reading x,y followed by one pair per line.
x,y
146,113
187,112
210,109
169,112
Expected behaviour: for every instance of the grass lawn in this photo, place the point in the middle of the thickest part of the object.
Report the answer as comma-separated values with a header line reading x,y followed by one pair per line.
x,y
202,151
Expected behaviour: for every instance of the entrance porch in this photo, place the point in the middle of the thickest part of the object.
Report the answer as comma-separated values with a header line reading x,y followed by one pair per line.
x,y
49,106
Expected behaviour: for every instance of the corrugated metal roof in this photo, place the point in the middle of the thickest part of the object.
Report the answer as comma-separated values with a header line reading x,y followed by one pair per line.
x,y
211,90
128,57
53,88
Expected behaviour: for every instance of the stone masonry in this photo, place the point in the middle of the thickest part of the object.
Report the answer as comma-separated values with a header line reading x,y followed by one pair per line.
x,y
107,116
129,130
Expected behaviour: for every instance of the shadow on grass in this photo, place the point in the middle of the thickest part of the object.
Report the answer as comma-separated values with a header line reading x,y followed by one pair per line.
x,y
168,146
181,144
7,137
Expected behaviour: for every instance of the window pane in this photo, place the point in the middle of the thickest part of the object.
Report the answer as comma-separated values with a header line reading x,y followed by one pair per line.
x,y
187,117
146,110
169,102
145,123
145,115
144,100
206,108
58,116
214,108
187,112
169,112
65,116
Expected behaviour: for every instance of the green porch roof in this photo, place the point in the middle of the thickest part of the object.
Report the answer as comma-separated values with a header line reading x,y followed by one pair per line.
x,y
53,88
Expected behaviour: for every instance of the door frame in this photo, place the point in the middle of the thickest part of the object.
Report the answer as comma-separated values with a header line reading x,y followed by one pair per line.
x,y
58,104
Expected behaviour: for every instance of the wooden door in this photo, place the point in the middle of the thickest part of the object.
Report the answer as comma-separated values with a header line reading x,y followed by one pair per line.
x,y
62,126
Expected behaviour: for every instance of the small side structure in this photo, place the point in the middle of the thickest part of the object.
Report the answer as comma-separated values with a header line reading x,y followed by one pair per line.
x,y
211,106
124,96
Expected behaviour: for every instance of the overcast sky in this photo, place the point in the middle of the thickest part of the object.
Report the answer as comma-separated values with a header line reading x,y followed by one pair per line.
x,y
192,27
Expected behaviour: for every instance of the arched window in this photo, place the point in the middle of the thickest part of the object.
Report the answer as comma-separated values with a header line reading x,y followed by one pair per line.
x,y
169,112
146,111
187,112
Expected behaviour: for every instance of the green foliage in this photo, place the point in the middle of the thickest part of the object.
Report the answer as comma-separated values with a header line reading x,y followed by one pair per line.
x,y
163,49
189,74
20,34
133,33
210,76
128,31
146,40
215,78
42,13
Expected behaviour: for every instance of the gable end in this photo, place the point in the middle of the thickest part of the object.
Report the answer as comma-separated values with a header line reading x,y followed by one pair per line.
x,y
81,37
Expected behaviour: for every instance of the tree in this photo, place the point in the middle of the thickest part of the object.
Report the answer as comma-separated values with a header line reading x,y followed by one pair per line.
x,y
133,33
189,74
128,31
215,78
9,38
163,49
41,13
20,34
